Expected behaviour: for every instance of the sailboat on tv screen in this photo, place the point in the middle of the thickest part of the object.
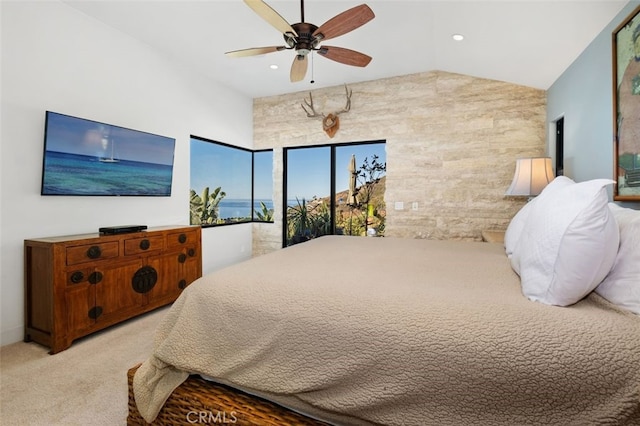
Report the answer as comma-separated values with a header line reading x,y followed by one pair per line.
x,y
112,158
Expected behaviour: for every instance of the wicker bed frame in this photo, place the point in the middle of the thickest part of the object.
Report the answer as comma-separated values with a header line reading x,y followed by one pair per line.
x,y
200,401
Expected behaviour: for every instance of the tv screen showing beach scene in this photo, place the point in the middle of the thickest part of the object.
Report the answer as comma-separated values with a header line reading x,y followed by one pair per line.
x,y
85,157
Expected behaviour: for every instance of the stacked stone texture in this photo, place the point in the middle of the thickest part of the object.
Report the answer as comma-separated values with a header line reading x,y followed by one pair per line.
x,y
451,143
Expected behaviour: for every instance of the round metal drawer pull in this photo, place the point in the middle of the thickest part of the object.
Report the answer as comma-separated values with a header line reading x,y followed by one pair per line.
x,y
95,312
95,277
182,238
77,277
145,244
182,284
94,252
144,279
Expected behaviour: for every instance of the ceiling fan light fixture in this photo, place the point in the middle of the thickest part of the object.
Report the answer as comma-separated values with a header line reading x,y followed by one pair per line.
x,y
290,39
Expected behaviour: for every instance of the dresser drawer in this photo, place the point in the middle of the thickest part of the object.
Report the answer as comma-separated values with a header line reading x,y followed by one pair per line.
x,y
143,245
182,238
92,252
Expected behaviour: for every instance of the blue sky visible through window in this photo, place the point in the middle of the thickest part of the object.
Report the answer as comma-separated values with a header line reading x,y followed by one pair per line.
x,y
215,165
362,151
263,175
308,169
308,173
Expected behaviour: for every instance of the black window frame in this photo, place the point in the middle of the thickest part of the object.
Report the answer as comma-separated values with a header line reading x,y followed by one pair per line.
x,y
332,185
252,219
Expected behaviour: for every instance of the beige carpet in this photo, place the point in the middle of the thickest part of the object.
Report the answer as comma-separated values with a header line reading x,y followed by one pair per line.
x,y
83,385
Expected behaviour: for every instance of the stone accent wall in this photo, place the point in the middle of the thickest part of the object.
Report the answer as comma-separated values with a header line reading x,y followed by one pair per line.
x,y
451,141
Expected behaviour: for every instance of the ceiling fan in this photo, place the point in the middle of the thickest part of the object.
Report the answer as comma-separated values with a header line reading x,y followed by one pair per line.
x,y
305,37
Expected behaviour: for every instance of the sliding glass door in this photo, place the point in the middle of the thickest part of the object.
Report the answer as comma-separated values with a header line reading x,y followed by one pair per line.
x,y
307,193
334,189
360,184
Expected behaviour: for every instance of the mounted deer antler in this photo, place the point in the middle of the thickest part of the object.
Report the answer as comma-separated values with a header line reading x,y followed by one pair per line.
x,y
330,122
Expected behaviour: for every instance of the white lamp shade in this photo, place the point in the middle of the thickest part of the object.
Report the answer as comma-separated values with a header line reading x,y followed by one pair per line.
x,y
532,175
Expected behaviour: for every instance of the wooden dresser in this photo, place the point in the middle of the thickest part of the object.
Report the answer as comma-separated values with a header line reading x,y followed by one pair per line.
x,y
76,285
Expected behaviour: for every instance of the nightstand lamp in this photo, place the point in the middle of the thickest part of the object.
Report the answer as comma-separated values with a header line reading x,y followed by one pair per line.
x,y
531,176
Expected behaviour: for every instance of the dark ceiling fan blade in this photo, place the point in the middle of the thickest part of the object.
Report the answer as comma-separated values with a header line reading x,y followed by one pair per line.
x,y
345,56
344,22
299,68
271,16
254,51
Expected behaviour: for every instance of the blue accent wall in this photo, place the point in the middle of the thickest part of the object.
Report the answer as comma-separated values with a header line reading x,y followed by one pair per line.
x,y
583,96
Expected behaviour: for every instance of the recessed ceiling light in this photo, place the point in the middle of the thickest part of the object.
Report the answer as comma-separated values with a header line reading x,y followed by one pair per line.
x,y
458,37
273,66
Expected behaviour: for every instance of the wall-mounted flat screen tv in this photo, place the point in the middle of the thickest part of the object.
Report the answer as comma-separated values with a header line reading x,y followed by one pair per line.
x,y
85,157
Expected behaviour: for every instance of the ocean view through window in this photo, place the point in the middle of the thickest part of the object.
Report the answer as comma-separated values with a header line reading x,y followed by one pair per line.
x,y
229,184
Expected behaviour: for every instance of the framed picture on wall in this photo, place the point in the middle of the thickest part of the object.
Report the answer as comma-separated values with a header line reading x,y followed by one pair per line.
x,y
626,108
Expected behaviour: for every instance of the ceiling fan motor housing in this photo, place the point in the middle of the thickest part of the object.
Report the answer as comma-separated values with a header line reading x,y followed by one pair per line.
x,y
305,42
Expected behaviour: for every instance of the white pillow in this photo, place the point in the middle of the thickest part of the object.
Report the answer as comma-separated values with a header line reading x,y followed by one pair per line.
x,y
622,285
517,224
514,230
569,243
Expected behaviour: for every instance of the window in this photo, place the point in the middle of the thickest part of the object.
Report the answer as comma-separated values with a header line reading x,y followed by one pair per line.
x,y
360,208
307,194
222,184
334,189
263,186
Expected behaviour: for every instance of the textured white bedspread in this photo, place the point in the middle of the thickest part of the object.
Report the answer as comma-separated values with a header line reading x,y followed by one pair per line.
x,y
398,332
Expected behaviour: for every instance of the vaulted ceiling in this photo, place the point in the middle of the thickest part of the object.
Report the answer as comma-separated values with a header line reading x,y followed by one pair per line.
x,y
527,42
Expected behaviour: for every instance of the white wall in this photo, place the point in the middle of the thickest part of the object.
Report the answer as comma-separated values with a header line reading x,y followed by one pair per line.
x,y
56,58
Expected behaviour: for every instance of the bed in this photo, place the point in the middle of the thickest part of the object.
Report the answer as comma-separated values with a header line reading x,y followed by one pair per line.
x,y
388,331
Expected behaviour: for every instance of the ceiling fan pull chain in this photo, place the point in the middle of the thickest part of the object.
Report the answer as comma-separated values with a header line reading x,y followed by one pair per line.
x,y
312,80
